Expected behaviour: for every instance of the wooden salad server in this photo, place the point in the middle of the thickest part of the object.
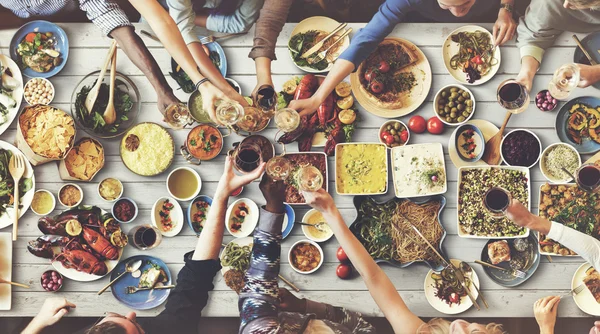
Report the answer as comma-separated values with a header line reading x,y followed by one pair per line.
x,y
492,148
110,114
92,96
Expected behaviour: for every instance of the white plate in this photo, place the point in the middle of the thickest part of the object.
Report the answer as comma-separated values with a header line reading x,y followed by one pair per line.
x,y
387,168
450,48
584,300
250,221
176,216
487,128
247,241
80,276
465,235
17,94
5,270
405,154
319,23
5,219
440,305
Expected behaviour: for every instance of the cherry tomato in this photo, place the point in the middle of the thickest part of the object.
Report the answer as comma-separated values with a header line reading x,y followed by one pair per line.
x,y
376,87
389,140
341,255
435,126
417,124
369,75
384,66
404,136
30,37
385,134
344,271
454,298
477,60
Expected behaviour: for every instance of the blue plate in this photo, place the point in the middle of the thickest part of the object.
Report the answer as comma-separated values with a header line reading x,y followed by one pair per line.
x,y
587,146
459,131
62,45
189,210
532,261
142,300
591,43
291,215
214,46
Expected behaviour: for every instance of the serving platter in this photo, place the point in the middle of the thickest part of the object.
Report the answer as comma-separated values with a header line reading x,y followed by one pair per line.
x,y
17,93
250,220
440,305
141,300
6,270
423,75
591,43
27,198
504,278
450,48
562,118
487,128
402,161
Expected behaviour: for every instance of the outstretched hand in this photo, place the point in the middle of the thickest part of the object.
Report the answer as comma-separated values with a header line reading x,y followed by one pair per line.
x,y
288,302
230,181
274,193
319,200
545,310
51,312
305,107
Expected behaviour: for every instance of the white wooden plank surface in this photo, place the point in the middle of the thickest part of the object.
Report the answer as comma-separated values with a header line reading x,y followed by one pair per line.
x,y
88,48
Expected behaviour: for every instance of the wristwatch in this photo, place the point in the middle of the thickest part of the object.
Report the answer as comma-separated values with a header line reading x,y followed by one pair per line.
x,y
507,6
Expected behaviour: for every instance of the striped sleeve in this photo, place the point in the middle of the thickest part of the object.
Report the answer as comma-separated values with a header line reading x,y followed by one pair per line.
x,y
106,14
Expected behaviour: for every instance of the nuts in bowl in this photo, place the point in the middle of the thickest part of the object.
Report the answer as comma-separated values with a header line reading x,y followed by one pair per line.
x,y
454,104
38,91
394,133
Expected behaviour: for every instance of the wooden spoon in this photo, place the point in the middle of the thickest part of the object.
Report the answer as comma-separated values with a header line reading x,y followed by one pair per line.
x,y
110,114
92,96
2,280
492,148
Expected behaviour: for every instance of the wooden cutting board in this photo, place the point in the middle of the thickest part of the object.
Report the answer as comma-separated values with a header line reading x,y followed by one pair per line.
x,y
593,159
5,270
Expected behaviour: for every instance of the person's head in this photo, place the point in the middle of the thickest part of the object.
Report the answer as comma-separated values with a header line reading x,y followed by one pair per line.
x,y
582,4
458,8
441,326
115,323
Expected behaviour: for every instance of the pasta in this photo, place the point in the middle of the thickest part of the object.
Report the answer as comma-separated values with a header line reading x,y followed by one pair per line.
x,y
237,257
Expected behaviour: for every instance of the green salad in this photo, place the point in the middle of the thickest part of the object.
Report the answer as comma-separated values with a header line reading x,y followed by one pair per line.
x,y
93,120
7,183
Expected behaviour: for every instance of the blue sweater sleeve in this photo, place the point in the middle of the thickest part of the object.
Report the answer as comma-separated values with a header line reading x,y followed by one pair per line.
x,y
366,40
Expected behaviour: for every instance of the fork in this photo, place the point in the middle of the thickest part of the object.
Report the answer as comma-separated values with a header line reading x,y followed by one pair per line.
x,y
321,55
133,289
16,167
514,272
574,292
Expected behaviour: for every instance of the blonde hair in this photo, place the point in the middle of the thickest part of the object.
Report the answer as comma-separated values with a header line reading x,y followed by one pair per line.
x,y
586,4
442,326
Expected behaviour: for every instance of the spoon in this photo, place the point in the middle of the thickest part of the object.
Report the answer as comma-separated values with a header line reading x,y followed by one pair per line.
x,y
92,96
491,154
110,115
318,226
466,268
130,267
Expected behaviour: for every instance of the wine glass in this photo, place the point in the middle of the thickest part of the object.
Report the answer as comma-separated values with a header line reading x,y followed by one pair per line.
x,y
287,119
177,115
496,200
279,168
564,80
229,112
253,120
309,178
587,177
266,100
247,157
513,96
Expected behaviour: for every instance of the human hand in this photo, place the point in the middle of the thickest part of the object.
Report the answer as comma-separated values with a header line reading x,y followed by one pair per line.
x,y
51,312
504,28
165,99
274,193
288,302
230,181
544,310
588,75
210,94
305,107
320,200
596,328
518,213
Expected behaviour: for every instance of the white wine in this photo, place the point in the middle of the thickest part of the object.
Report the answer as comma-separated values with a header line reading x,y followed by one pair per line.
x,y
279,168
287,119
565,79
310,178
229,112
177,115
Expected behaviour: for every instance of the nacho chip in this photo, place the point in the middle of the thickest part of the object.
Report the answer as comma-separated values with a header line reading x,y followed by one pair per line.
x,y
48,131
85,159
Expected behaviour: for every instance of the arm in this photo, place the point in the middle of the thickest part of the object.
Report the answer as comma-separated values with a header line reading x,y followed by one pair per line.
x,y
545,310
50,313
380,287
362,44
239,20
505,26
138,53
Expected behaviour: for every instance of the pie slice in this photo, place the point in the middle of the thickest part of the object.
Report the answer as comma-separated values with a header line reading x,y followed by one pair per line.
x,y
592,282
499,251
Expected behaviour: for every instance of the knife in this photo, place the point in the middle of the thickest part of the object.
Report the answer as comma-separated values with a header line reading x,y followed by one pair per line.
x,y
319,45
585,53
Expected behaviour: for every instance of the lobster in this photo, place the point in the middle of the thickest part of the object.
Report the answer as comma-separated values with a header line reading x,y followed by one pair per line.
x,y
72,255
42,246
325,110
83,261
294,134
307,87
335,137
57,225
305,140
100,244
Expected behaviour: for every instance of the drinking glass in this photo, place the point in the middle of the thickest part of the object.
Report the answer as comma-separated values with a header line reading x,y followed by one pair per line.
x,y
266,100
229,112
309,178
563,82
287,119
247,157
177,115
279,168
513,96
145,237
587,177
253,120
496,200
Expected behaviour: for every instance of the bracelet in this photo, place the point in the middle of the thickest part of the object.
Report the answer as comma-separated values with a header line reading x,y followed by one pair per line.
x,y
201,82
507,6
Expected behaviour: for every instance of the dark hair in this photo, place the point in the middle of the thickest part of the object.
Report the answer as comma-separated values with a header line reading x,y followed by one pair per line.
x,y
107,327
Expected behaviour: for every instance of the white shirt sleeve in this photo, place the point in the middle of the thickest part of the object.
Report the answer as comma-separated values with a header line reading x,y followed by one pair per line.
x,y
183,14
586,246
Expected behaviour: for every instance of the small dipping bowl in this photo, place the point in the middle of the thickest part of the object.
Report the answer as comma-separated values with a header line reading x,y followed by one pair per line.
x,y
195,174
237,192
479,141
305,242
116,198
29,93
65,186
136,210
53,202
51,281
544,97
383,128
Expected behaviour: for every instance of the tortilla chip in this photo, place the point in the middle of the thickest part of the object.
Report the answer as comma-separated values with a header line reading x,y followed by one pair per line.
x,y
85,159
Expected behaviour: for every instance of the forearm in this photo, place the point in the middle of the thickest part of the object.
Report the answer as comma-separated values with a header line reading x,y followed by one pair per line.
x,y
33,327
584,245
340,70
208,69
211,238
263,70
138,53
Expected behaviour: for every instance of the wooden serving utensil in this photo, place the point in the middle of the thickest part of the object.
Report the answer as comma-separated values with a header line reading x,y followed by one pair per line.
x,y
92,96
110,114
16,167
492,148
2,280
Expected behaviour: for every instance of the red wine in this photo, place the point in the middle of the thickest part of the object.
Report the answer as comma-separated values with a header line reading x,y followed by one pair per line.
x,y
248,160
588,178
497,200
145,237
510,92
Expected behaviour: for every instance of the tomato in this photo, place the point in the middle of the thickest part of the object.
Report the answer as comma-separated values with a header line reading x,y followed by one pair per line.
x,y
384,135
344,271
435,126
369,75
384,66
417,124
341,255
389,140
404,136
477,60
376,86
29,38
454,298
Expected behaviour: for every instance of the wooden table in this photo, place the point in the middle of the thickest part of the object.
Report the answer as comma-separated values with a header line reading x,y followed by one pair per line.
x,y
88,48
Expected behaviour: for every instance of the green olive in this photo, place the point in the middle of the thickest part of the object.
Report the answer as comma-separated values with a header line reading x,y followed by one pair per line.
x,y
397,126
454,89
451,104
469,103
444,94
454,110
469,109
393,132
442,113
454,95
388,127
397,138
460,119
453,115
460,107
466,113
449,119
447,109
461,99
441,107
466,95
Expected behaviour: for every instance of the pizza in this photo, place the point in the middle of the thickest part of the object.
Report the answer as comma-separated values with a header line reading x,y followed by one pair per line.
x,y
383,78
592,282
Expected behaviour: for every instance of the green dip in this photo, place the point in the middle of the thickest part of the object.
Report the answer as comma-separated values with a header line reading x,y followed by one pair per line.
x,y
198,113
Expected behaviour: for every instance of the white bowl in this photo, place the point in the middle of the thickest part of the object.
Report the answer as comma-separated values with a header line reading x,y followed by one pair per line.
x,y
46,81
309,242
249,222
382,127
437,98
543,168
176,216
53,202
534,135
305,228
197,190
74,185
120,194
